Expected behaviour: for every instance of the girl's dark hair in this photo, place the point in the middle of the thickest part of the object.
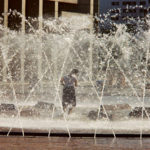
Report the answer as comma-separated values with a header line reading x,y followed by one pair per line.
x,y
74,71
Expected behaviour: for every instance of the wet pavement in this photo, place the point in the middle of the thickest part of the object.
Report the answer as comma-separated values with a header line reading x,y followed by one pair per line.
x,y
75,143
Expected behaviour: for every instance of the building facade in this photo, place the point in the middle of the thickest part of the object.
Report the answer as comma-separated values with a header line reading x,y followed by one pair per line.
x,y
44,9
120,10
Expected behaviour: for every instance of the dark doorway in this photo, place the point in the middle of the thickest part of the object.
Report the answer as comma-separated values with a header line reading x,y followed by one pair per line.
x,y
32,8
14,19
32,11
1,8
48,9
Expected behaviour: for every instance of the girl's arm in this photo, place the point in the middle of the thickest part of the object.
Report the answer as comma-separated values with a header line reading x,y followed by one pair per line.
x,y
62,81
76,83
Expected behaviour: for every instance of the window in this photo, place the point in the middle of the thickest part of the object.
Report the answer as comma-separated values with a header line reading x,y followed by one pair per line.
x,y
132,10
127,17
125,10
129,10
143,10
124,17
141,17
115,18
129,3
143,3
115,11
124,3
115,3
133,3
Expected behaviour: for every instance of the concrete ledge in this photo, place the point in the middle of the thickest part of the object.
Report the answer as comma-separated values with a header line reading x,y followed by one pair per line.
x,y
100,132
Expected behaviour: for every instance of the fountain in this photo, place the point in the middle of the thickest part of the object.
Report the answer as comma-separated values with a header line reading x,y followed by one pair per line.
x,y
113,95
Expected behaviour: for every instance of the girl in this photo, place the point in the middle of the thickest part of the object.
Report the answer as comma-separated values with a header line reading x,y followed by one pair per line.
x,y
69,83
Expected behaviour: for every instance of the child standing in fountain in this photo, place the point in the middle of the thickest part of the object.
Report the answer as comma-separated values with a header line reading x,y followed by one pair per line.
x,y
69,83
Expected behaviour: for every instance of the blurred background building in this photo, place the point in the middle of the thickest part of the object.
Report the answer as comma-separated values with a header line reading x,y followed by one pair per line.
x,y
44,9
122,9
119,10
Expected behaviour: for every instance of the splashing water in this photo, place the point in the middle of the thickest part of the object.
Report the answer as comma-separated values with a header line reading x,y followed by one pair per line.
x,y
113,92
